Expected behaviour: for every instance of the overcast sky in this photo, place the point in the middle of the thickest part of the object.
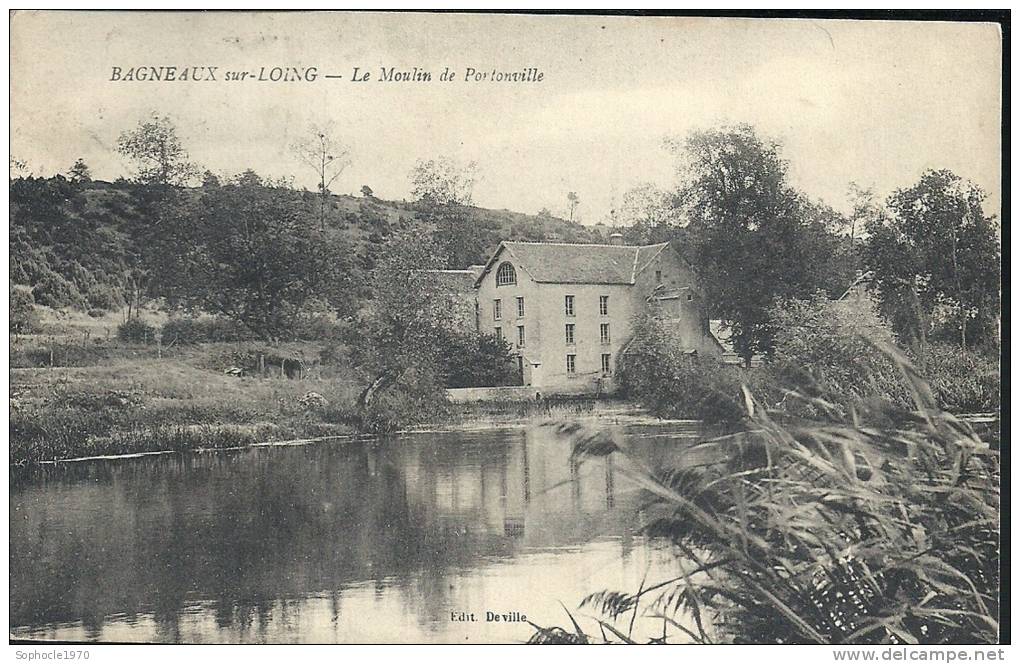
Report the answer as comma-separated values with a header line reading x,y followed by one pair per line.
x,y
871,102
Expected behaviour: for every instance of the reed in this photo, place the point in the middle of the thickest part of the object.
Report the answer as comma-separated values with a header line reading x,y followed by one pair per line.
x,y
880,526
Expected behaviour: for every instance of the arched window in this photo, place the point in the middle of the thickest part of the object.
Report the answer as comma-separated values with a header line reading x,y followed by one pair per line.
x,y
506,275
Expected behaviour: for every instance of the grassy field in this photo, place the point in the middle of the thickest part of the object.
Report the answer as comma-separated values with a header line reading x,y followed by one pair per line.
x,y
102,396
77,391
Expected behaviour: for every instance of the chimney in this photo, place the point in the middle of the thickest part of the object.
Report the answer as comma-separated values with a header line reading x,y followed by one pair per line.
x,y
616,239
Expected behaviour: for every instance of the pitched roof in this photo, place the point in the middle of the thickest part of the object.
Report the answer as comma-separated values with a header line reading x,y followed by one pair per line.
x,y
862,281
458,281
554,262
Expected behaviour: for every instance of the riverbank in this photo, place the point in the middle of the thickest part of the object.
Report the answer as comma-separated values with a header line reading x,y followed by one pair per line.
x,y
142,405
128,400
76,391
76,415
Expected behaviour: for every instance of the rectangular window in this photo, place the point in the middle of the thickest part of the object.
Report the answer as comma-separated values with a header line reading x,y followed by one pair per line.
x,y
520,307
499,333
568,304
570,333
606,366
497,310
604,332
520,336
571,364
604,305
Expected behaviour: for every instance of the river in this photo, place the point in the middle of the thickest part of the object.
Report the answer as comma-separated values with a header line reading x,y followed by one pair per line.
x,y
388,541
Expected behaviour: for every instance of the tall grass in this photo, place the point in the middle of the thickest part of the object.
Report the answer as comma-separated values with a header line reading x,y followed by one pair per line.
x,y
513,410
143,405
876,527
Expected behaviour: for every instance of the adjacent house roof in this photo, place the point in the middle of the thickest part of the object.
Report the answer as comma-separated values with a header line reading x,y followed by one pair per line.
x,y
458,281
553,262
859,285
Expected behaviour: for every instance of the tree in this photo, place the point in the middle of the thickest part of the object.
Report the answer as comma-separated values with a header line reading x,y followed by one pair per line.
x,y
21,309
940,252
411,337
824,238
366,191
323,152
158,156
827,346
248,250
750,236
19,167
470,359
648,215
79,172
443,181
161,168
403,327
573,200
864,210
210,179
442,188
62,247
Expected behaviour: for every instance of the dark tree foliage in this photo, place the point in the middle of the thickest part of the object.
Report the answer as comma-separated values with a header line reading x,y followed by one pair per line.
x,y
674,383
251,251
477,360
464,237
21,308
67,249
405,323
442,190
936,262
157,154
753,238
413,331
80,172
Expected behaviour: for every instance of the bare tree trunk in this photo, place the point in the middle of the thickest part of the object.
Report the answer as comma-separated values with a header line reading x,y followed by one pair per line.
x,y
322,191
921,322
959,293
322,209
382,382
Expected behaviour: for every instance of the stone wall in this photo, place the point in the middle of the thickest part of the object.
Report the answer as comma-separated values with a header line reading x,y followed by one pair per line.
x,y
509,393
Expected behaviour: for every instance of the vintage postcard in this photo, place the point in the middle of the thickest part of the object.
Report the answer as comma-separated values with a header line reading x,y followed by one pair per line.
x,y
498,328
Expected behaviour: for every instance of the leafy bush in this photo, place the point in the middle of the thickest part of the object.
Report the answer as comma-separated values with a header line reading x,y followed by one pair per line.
x,y
823,346
415,398
673,382
885,531
208,329
963,381
135,330
104,296
826,346
55,291
61,355
478,360
318,328
21,307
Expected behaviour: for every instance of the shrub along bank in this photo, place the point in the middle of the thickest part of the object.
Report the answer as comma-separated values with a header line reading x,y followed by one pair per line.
x,y
820,347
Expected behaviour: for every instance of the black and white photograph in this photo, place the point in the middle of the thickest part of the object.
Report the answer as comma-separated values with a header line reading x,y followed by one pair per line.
x,y
518,327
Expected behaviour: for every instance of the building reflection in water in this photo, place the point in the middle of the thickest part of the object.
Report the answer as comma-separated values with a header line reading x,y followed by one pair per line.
x,y
373,541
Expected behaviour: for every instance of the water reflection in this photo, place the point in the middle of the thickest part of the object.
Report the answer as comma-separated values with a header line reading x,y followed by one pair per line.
x,y
328,543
